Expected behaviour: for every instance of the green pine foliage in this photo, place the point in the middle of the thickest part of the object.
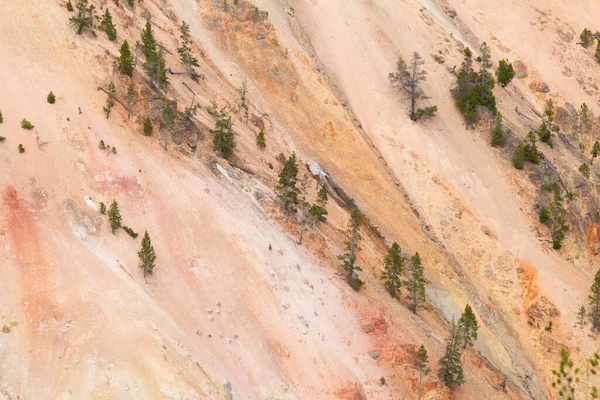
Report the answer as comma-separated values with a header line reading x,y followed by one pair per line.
x,y
168,120
421,360
548,126
155,64
110,100
147,255
587,38
69,6
505,73
594,302
597,53
349,257
21,148
85,17
498,135
530,150
595,149
107,26
51,98
544,214
223,135
130,99
474,88
125,60
25,124
101,145
415,285
317,213
102,208
518,159
585,170
261,141
130,3
393,267
148,46
130,232
1,117
114,216
557,220
148,128
287,189
322,197
566,382
185,51
451,370
467,327
2,138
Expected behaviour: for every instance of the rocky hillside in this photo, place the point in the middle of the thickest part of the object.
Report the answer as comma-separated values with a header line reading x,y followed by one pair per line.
x,y
236,307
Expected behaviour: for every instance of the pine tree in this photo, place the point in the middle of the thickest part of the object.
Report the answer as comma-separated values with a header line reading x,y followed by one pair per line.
x,y
185,51
125,60
581,317
505,72
156,68
85,17
421,360
407,79
595,151
110,100
114,216
467,327
451,371
416,284
107,26
286,190
558,218
260,140
594,299
349,257
519,156
1,117
393,267
530,150
148,46
168,120
498,134
597,54
148,127
51,98
223,135
130,3
147,255
69,6
548,126
130,98
243,105
587,37
322,197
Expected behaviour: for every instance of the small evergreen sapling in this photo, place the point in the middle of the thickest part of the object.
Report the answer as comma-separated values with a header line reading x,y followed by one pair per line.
x,y
260,140
168,120
69,6
597,53
451,370
25,124
102,208
1,117
185,51
85,17
148,127
594,302
51,98
595,149
519,156
585,170
505,72
349,257
147,255
287,190
130,98
2,138
21,148
415,285
110,100
530,150
587,38
421,360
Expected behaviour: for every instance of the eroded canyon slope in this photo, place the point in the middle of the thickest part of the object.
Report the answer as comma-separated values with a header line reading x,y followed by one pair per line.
x,y
235,307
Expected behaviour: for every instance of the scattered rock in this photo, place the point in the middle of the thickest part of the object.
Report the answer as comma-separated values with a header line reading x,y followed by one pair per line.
x,y
303,320
444,222
374,354
539,87
6,329
294,98
368,328
260,37
257,121
485,119
207,190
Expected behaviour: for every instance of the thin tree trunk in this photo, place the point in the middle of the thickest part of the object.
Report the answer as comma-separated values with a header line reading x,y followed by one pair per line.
x,y
420,383
414,308
301,232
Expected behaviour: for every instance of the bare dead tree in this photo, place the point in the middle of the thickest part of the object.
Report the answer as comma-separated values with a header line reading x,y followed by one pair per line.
x,y
407,79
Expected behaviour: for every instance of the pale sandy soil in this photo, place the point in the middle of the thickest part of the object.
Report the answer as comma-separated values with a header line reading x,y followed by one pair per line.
x,y
223,316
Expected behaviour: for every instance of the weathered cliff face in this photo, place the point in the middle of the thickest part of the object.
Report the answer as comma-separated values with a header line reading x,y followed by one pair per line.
x,y
235,307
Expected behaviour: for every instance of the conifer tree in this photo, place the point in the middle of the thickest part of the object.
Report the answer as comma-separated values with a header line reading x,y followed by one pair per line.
x,y
287,190
148,127
148,46
407,79
223,135
505,72
130,3
467,327
125,60
69,6
130,98
85,17
260,140
597,53
451,370
519,156
594,299
393,267
322,196
498,134
548,126
595,151
581,317
530,151
110,100
415,285
107,26
349,257
421,360
1,117
587,37
185,51
168,120
147,255
156,68
51,98
558,218
318,211
114,216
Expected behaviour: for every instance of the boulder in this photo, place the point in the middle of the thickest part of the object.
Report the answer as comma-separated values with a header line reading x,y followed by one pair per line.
x,y
539,87
520,69
484,119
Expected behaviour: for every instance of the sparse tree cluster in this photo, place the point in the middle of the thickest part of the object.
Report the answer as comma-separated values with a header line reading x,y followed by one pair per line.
x,y
185,51
155,64
505,72
223,134
107,26
84,19
350,256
